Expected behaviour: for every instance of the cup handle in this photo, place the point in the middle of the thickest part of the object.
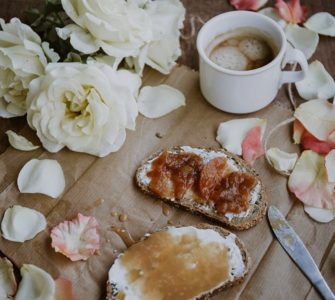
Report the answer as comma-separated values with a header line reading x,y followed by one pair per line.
x,y
294,55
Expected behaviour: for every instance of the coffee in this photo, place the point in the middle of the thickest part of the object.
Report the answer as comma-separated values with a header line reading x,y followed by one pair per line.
x,y
242,49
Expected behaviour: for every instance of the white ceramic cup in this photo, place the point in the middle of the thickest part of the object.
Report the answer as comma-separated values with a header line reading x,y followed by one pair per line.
x,y
246,91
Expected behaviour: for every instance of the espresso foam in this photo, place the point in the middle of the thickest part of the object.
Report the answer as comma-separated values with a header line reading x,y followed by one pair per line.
x,y
254,49
229,57
241,49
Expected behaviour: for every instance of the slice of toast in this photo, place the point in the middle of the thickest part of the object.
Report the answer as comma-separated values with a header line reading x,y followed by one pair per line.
x,y
239,221
230,258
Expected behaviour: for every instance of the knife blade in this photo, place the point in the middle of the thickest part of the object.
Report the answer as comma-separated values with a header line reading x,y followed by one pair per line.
x,y
296,249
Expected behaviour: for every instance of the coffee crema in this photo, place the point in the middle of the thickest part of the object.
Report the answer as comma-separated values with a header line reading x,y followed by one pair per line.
x,y
242,49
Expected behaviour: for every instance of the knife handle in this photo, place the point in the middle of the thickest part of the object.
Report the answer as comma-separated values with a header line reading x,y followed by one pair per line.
x,y
324,289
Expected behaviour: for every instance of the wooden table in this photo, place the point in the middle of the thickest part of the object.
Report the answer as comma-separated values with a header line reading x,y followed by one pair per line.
x,y
197,13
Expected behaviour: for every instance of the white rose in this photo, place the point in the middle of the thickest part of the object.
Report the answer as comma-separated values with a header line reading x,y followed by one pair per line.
x,y
23,57
142,31
119,27
85,107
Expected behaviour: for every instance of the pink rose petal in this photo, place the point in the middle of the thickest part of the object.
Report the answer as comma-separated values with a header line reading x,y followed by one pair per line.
x,y
252,146
248,4
291,11
309,181
77,239
308,141
64,289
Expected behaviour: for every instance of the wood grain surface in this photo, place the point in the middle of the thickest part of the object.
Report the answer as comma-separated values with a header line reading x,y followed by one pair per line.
x,y
318,238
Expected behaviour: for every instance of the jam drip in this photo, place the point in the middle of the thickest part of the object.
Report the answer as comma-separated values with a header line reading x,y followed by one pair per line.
x,y
174,174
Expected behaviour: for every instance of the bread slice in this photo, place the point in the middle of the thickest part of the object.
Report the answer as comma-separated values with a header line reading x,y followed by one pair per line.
x,y
241,221
238,263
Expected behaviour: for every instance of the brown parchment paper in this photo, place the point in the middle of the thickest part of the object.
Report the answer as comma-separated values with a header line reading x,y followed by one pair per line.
x,y
89,179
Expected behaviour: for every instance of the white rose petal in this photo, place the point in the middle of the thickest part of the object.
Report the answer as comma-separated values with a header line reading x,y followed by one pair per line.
x,y
21,224
23,57
106,59
42,176
155,102
79,38
167,19
317,84
50,53
19,142
309,181
271,13
322,23
85,107
282,161
318,117
321,215
302,39
35,284
330,165
232,133
7,279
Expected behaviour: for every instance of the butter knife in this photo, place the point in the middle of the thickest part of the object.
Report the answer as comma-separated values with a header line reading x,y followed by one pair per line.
x,y
296,249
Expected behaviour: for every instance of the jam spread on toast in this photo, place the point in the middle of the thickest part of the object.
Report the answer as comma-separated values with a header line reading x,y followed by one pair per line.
x,y
174,175
169,267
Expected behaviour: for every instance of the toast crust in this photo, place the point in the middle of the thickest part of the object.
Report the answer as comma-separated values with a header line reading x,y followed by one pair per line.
x,y
111,290
257,210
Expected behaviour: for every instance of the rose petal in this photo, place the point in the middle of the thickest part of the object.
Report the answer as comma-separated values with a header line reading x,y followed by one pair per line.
x,y
21,224
231,134
318,118
282,161
331,137
19,142
298,131
64,289
321,215
77,239
317,84
8,284
291,11
43,176
248,4
309,181
50,53
308,141
35,284
322,23
80,39
167,19
271,13
330,165
252,146
158,101
302,39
